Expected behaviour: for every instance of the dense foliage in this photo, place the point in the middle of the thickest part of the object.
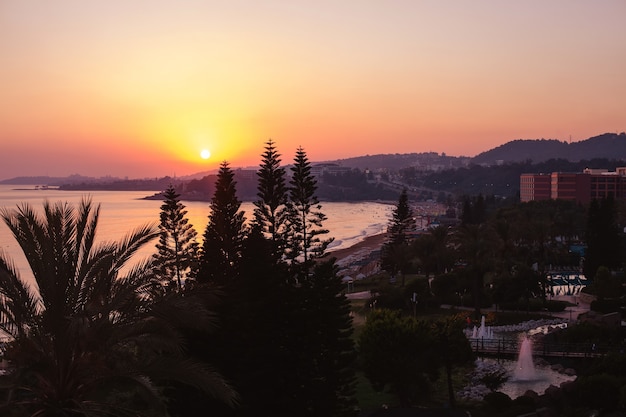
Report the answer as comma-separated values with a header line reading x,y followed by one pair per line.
x,y
406,354
91,338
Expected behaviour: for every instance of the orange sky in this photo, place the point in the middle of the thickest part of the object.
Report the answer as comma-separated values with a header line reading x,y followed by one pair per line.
x,y
139,88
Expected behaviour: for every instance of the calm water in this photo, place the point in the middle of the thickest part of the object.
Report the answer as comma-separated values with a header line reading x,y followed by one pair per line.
x,y
122,211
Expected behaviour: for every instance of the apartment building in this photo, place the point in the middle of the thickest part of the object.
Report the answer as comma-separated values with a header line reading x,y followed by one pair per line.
x,y
581,187
534,187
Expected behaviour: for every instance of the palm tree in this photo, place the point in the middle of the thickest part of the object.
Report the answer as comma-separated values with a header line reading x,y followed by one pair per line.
x,y
90,337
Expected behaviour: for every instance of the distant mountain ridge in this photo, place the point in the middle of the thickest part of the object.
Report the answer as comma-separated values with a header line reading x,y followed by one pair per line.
x,y
56,181
607,145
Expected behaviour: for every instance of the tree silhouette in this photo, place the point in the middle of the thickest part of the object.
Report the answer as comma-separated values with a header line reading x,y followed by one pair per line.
x,y
225,231
177,247
290,310
305,218
396,252
402,221
319,377
271,209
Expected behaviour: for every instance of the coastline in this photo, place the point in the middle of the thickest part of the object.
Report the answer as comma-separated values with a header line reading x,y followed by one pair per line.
x,y
353,258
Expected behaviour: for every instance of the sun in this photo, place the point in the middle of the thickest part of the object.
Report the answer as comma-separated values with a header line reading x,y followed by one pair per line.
x,y
205,154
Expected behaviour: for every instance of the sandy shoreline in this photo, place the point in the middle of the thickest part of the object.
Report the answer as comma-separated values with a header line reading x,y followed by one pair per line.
x,y
358,258
369,244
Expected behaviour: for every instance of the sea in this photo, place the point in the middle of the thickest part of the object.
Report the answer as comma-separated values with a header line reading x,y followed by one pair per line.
x,y
123,211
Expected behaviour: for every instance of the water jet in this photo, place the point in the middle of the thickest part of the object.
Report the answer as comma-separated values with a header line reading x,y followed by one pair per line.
x,y
525,368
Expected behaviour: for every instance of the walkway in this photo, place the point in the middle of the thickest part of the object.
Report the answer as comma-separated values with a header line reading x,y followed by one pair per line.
x,y
510,348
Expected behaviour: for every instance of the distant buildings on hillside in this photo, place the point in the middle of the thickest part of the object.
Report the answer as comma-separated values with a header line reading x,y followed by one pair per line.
x,y
581,187
317,170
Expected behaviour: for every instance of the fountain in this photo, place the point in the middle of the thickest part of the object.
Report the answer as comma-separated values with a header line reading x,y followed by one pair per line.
x,y
482,329
522,374
482,332
525,368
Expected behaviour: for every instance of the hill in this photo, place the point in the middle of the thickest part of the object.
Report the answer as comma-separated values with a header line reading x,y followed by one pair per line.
x,y
55,181
429,161
608,145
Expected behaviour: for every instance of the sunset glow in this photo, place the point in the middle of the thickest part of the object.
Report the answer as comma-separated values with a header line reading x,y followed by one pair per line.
x,y
139,88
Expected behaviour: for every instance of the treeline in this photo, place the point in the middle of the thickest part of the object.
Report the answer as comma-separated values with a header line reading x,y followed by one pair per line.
x,y
354,185
500,254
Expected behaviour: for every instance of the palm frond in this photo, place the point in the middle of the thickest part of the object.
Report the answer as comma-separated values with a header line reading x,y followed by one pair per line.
x,y
133,241
19,304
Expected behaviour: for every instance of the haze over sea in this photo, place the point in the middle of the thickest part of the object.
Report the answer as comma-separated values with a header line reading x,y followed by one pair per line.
x,y
122,211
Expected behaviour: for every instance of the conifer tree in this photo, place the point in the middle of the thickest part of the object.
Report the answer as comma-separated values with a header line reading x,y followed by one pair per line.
x,y
225,231
306,217
270,213
402,220
318,363
396,251
302,360
177,247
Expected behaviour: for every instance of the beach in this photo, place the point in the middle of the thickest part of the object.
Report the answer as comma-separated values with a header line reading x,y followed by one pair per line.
x,y
359,258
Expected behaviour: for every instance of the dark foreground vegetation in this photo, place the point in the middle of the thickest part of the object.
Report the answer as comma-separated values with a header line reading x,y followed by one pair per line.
x,y
248,323
253,320
496,262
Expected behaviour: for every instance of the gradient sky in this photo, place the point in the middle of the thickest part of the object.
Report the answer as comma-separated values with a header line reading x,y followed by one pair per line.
x,y
139,88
